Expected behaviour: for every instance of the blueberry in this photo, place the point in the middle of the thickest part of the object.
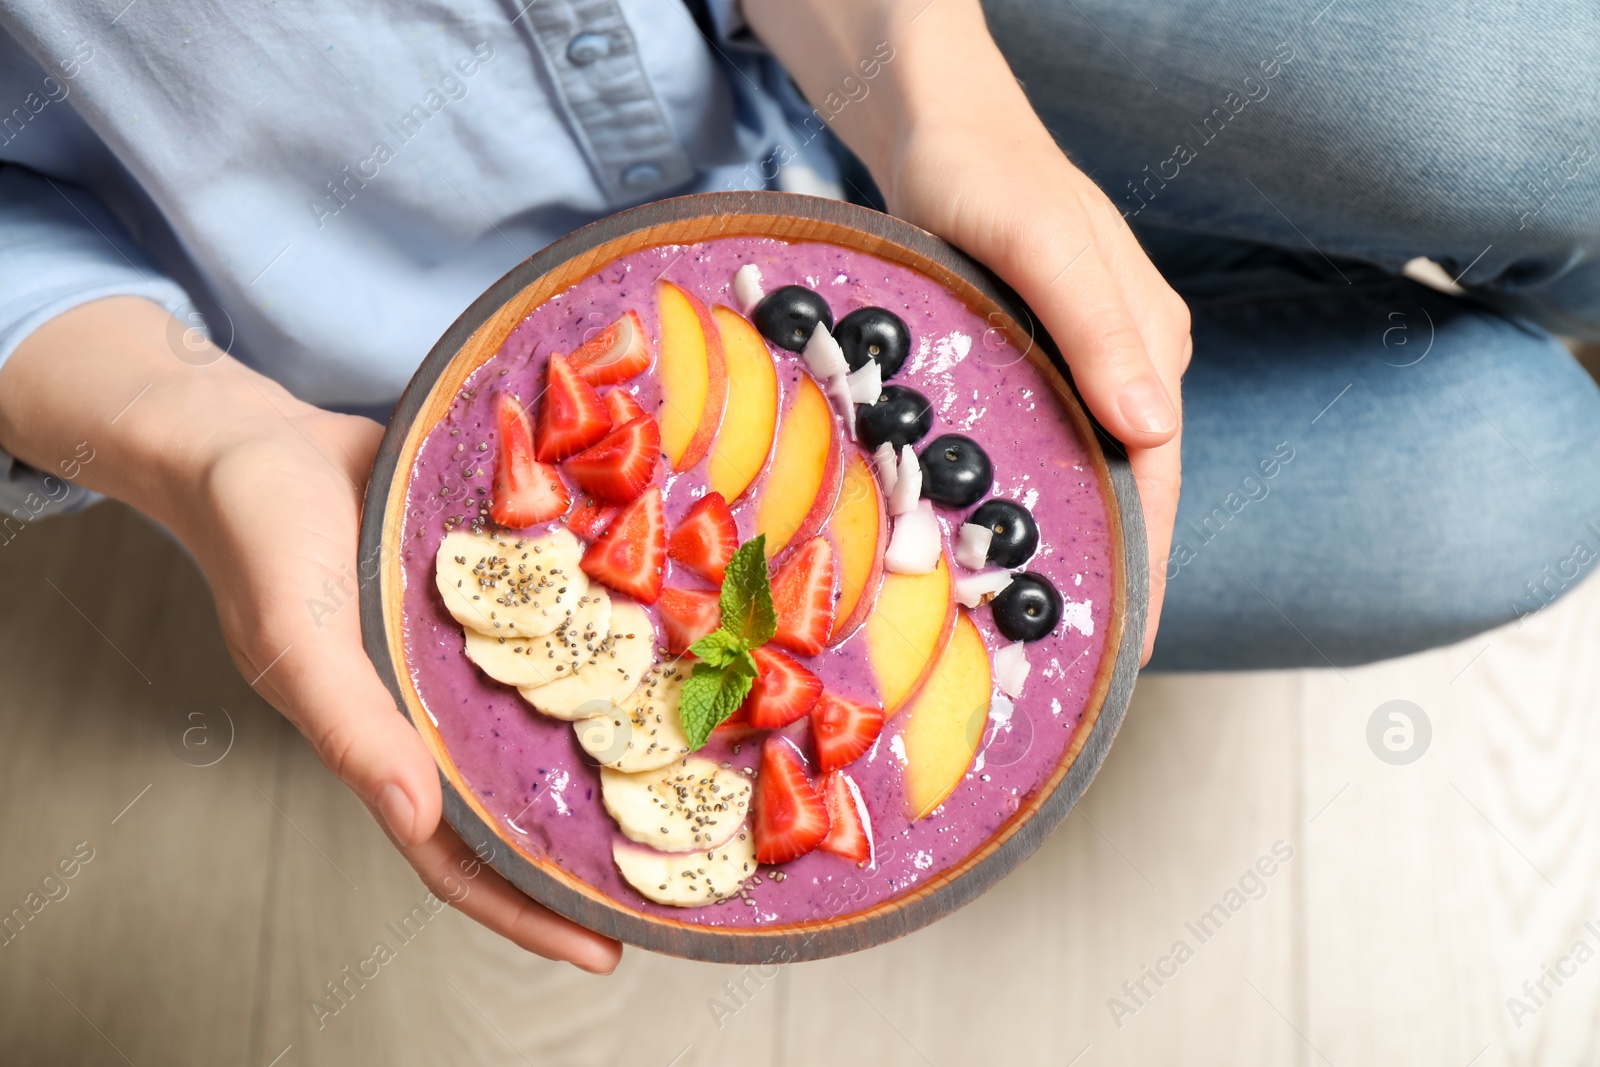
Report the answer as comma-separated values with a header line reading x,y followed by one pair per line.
x,y
955,471
874,333
787,316
901,417
1028,608
1016,535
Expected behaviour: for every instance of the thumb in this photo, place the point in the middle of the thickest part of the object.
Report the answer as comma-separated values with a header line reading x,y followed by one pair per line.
x,y
1083,309
328,688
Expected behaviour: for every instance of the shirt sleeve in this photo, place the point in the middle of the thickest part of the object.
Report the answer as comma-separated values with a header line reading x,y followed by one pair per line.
x,y
59,248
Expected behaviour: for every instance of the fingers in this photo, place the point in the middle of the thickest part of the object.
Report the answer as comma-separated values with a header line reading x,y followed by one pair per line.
x,y
358,733
329,690
1129,372
1084,308
1119,381
1125,336
1157,472
456,875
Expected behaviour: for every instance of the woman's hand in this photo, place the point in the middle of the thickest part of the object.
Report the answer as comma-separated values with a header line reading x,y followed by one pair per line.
x,y
266,491
957,149
276,529
1016,204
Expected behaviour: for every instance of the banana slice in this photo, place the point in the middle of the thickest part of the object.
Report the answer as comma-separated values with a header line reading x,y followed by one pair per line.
x,y
694,803
507,586
644,732
536,661
688,879
607,676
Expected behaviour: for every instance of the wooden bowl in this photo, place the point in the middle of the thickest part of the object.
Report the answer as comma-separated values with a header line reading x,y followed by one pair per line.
x,y
478,334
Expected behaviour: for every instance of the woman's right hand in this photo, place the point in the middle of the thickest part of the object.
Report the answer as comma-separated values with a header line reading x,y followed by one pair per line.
x,y
266,491
956,148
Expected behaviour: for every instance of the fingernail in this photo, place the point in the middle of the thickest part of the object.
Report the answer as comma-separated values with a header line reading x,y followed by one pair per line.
x,y
1146,406
397,811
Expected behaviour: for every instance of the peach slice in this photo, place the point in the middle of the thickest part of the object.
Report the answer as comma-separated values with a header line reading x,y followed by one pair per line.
x,y
693,376
908,631
860,531
807,464
745,439
946,723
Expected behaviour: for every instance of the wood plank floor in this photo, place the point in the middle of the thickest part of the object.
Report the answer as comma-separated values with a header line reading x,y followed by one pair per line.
x,y
1245,883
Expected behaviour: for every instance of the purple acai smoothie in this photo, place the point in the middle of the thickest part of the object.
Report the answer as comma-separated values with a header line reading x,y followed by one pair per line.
x,y
529,771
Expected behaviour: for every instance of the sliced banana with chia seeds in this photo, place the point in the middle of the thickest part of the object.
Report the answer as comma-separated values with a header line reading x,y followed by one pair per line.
x,y
611,672
688,879
536,661
507,586
693,803
644,732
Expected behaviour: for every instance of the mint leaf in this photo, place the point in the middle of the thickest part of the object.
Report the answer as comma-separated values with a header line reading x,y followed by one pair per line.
x,y
718,648
722,679
746,599
712,694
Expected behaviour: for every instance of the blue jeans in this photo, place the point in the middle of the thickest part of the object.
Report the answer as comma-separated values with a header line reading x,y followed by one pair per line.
x,y
1371,467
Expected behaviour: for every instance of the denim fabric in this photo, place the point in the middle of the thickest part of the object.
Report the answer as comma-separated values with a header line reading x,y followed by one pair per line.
x,y
1370,467
1466,133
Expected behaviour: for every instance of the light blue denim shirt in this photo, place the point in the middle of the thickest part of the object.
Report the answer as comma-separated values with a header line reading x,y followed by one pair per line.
x,y
324,186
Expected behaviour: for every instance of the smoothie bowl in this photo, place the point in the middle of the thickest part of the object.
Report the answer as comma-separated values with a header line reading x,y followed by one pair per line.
x,y
755,577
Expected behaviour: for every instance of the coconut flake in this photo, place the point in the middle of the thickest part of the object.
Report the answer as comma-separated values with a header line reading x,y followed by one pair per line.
x,y
747,287
866,383
838,390
1011,669
888,465
824,358
907,483
972,546
915,543
973,590
1001,711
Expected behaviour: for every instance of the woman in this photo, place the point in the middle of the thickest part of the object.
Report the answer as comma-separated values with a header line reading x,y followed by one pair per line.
x,y
1373,466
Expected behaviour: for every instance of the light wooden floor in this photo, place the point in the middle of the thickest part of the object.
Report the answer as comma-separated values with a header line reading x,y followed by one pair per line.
x,y
1417,900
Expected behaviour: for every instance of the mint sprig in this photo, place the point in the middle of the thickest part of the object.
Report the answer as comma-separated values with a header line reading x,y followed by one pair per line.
x,y
722,679
747,612
712,694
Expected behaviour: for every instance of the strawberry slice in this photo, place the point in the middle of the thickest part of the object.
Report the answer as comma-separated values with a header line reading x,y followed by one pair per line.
x,y
615,354
589,517
687,615
783,691
848,835
526,492
737,723
630,556
706,539
572,416
623,406
790,818
802,593
621,464
842,730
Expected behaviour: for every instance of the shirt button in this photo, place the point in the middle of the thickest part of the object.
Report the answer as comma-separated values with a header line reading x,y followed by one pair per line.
x,y
642,176
588,47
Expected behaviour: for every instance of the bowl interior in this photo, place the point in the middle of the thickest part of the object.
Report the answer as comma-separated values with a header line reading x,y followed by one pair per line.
x,y
478,335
